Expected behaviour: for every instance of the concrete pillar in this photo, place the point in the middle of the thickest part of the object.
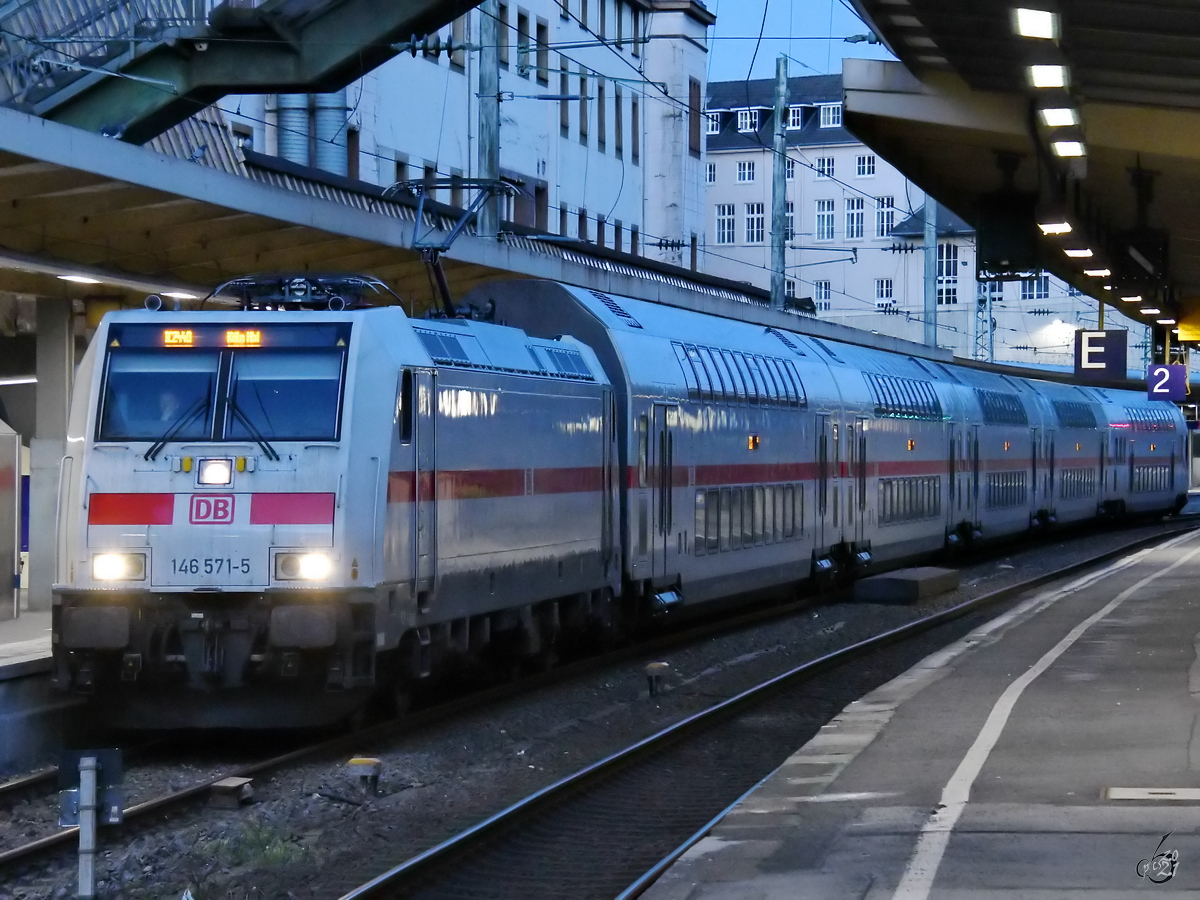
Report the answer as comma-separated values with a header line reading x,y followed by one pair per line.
x,y
55,373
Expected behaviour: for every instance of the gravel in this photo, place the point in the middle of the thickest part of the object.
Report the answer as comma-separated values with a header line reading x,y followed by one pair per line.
x,y
311,830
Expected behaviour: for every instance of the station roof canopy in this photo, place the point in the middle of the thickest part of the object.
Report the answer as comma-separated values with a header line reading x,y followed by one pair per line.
x,y
961,116
85,216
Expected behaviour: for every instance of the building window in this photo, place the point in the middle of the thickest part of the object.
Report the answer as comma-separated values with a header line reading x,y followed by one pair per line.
x,y
582,222
824,166
1036,288
458,36
620,17
725,223
712,173
583,13
714,123
885,216
789,227
543,52
947,270
635,133
824,220
866,166
635,19
789,288
789,169
563,9
822,294
746,171
755,223
601,115
603,4
619,120
747,120
502,32
583,106
795,117
854,218
883,293
831,115
694,116
523,44
564,106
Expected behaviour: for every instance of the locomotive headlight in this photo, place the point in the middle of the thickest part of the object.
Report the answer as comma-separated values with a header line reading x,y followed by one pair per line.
x,y
119,567
215,471
303,566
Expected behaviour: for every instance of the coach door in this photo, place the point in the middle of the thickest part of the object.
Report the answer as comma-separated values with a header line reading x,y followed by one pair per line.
x,y
425,441
662,464
856,500
976,474
824,446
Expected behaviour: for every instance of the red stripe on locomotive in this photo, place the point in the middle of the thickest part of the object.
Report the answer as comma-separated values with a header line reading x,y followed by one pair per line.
x,y
131,509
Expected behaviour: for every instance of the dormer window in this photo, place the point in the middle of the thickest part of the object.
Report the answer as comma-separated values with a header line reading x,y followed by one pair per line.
x,y
831,115
714,123
747,120
795,117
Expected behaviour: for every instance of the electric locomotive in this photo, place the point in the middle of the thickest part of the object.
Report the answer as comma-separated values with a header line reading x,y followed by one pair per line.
x,y
268,516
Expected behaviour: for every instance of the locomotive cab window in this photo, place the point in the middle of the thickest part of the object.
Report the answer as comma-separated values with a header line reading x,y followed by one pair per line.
x,y
209,382
150,393
285,396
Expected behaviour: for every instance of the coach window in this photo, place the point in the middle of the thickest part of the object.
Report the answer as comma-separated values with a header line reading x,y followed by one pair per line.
x,y
737,393
748,517
752,390
714,374
712,520
725,518
735,519
702,373
404,411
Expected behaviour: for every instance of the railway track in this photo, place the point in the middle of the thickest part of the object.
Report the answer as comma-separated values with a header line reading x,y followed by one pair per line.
x,y
174,801
612,827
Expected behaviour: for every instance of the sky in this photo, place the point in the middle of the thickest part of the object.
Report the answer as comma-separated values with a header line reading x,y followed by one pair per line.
x,y
800,28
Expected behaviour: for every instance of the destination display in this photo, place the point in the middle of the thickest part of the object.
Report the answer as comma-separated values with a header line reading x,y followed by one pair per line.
x,y
234,335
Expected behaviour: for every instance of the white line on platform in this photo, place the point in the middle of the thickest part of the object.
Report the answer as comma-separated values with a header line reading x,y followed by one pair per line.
x,y
923,866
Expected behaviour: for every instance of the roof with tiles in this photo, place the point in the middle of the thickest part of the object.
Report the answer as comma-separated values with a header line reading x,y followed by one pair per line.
x,y
808,91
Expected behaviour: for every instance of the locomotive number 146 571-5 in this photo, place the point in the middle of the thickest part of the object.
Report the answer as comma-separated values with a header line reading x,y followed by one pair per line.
x,y
218,565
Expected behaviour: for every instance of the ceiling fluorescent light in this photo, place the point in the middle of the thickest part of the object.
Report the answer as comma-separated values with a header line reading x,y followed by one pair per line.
x,y
1067,148
1079,254
1151,311
1097,273
1137,299
1048,76
1036,23
1055,227
79,279
1059,117
1165,321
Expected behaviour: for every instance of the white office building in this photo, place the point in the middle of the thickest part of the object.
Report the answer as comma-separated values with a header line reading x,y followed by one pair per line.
x,y
855,234
600,120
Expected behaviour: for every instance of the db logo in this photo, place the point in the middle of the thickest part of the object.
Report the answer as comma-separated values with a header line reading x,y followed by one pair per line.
x,y
210,509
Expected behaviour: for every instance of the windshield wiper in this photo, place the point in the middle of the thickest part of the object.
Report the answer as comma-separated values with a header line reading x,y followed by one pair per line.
x,y
194,410
254,432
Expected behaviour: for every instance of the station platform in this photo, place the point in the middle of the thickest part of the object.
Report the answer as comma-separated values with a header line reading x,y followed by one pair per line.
x,y
1044,755
25,645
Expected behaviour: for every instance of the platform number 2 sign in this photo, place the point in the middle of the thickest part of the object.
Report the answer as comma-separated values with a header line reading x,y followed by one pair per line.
x,y
1166,383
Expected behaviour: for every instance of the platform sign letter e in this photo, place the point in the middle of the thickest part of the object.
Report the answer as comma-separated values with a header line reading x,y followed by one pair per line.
x,y
1100,354
211,509
1167,383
